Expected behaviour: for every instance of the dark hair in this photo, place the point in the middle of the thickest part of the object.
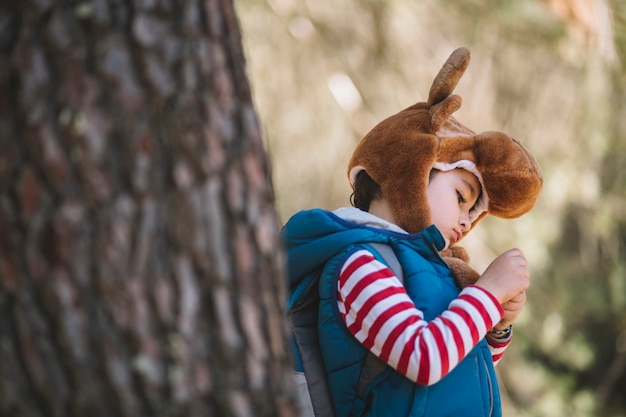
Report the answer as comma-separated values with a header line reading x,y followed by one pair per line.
x,y
366,190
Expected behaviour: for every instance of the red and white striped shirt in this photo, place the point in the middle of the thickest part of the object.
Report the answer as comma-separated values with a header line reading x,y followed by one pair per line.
x,y
379,313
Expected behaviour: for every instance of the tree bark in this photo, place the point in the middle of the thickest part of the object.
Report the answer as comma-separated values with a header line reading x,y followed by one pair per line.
x,y
140,262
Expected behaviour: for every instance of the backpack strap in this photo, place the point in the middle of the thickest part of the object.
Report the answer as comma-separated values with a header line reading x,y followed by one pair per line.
x,y
303,315
390,257
302,309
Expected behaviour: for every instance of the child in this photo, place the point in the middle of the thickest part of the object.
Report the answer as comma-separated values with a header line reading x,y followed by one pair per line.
x,y
421,181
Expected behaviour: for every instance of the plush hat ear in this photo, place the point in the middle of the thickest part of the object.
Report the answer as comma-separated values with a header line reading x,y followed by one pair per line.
x,y
398,155
512,176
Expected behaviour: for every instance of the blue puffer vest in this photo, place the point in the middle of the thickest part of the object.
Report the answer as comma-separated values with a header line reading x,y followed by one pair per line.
x,y
316,238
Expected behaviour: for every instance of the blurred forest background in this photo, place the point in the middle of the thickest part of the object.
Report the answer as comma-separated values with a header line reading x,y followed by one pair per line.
x,y
550,72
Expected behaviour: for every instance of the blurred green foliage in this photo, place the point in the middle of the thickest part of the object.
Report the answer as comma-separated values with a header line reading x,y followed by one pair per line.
x,y
549,72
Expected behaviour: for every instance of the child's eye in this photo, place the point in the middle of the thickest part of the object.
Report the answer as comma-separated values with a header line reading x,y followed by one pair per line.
x,y
460,197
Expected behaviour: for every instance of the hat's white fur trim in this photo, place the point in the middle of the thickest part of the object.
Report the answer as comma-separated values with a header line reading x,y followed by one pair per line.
x,y
354,172
482,204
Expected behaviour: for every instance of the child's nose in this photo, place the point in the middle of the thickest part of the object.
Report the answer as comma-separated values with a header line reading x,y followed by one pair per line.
x,y
465,222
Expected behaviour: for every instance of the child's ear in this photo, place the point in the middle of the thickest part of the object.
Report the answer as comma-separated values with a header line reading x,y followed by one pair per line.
x,y
457,259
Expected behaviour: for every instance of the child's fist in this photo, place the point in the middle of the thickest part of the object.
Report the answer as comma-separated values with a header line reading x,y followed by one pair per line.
x,y
512,309
507,276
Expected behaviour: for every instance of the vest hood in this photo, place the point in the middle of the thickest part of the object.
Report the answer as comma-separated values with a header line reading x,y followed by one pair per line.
x,y
312,237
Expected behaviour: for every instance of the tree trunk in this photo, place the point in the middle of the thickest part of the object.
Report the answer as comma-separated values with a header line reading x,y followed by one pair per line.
x,y
140,270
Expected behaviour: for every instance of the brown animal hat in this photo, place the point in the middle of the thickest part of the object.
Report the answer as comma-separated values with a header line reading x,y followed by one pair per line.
x,y
400,152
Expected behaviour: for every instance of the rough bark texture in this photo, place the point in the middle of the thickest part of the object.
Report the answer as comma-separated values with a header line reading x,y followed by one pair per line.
x,y
140,270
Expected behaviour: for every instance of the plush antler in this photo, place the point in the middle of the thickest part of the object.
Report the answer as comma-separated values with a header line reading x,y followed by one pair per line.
x,y
441,102
449,76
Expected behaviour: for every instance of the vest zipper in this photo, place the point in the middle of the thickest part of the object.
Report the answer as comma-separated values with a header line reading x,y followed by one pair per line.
x,y
436,252
489,385
489,382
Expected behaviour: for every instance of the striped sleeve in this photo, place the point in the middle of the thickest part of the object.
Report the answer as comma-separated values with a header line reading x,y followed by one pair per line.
x,y
497,347
379,313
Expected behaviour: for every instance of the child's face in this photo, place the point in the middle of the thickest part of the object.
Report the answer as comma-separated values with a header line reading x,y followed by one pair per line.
x,y
451,195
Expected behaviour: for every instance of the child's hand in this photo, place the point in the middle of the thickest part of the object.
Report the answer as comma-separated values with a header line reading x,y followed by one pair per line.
x,y
512,310
506,277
